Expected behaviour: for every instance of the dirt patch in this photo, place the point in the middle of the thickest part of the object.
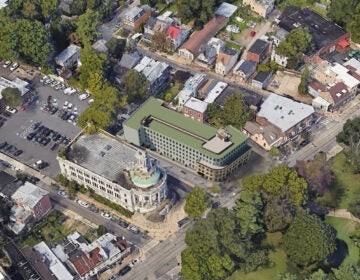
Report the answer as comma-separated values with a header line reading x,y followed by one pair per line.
x,y
286,83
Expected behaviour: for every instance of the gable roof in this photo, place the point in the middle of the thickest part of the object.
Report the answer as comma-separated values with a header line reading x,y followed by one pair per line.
x,y
246,66
202,36
173,32
336,94
226,10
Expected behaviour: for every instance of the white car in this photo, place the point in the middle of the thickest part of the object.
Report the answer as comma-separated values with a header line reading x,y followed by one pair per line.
x,y
63,194
106,215
82,203
11,110
14,66
69,90
6,64
70,105
84,96
91,101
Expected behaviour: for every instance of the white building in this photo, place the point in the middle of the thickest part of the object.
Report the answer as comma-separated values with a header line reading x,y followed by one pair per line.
x,y
68,57
115,171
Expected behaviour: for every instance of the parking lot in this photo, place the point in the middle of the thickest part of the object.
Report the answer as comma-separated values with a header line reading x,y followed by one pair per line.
x,y
49,132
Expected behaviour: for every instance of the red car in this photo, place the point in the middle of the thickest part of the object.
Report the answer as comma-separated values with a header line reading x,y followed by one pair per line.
x,y
252,33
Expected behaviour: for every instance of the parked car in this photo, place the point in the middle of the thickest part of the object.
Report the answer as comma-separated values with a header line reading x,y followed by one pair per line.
x,y
106,215
82,203
18,152
94,209
6,64
91,101
252,34
14,66
11,110
124,270
62,193
84,96
123,224
134,229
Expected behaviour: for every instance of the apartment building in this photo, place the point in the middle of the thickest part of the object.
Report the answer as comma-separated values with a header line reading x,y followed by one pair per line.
x,y
212,153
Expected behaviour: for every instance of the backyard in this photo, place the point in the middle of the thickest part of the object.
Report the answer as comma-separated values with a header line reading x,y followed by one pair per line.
x,y
55,227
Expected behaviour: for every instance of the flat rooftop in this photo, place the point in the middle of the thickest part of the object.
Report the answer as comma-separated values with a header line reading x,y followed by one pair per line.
x,y
102,155
322,30
284,112
179,127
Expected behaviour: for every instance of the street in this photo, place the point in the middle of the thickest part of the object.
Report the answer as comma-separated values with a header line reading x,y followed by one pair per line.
x,y
325,139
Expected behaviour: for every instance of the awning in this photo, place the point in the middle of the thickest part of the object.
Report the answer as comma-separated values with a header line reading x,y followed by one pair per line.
x,y
344,43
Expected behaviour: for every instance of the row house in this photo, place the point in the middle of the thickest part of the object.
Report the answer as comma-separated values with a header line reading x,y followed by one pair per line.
x,y
225,61
135,16
244,69
259,51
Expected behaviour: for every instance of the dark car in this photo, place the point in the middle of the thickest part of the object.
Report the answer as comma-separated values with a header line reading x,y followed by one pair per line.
x,y
53,148
31,136
123,224
17,153
3,145
304,143
45,141
36,125
94,209
38,138
8,148
124,270
53,110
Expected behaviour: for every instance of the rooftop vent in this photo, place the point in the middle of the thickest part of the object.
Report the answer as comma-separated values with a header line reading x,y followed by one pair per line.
x,y
107,147
338,94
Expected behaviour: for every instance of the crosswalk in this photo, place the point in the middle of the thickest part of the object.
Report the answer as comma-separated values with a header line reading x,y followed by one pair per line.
x,y
323,121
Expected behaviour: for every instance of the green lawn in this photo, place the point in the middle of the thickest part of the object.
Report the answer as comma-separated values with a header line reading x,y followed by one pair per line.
x,y
344,228
346,180
277,258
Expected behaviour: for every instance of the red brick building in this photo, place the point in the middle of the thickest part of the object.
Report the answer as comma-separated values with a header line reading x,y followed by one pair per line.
x,y
259,51
195,109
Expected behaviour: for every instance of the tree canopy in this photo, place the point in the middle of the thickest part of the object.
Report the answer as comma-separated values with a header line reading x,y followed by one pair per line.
x,y
136,86
235,111
309,240
12,96
86,27
297,42
202,10
196,202
350,136
216,248
346,13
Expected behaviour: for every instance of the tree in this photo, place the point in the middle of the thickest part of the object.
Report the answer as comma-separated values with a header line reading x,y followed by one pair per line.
x,y
350,136
341,11
318,275
297,42
317,173
274,152
116,46
235,112
216,248
12,96
248,211
353,26
278,214
309,240
347,271
101,230
303,86
78,7
196,202
48,7
86,27
159,41
136,86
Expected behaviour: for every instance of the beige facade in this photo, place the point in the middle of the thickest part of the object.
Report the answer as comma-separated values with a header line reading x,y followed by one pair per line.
x,y
261,7
323,74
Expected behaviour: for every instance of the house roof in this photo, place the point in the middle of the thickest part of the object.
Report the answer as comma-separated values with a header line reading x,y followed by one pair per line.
x,y
215,92
202,36
225,56
258,47
36,260
173,32
82,263
5,178
246,66
269,132
342,73
129,60
262,76
322,30
52,262
338,93
29,194
226,10
196,104
283,112
67,53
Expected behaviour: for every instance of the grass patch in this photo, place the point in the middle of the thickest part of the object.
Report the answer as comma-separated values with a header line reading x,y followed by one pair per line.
x,y
346,180
51,231
277,260
344,228
231,45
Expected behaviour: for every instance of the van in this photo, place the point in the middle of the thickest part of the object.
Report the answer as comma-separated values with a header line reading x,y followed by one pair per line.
x,y
91,101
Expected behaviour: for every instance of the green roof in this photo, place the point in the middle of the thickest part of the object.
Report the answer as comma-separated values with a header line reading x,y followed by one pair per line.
x,y
154,108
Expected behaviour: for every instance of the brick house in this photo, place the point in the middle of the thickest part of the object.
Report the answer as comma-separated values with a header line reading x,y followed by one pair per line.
x,y
195,109
135,16
259,51
287,116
